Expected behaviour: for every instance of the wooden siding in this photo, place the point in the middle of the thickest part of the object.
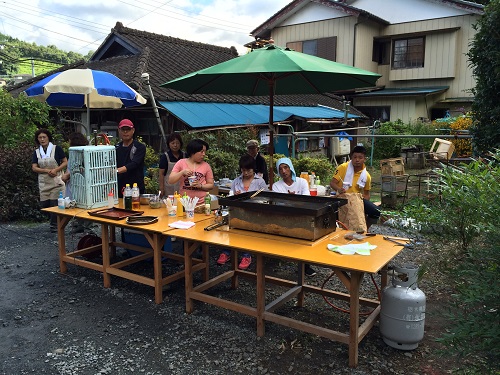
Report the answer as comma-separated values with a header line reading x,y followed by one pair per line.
x,y
342,28
409,108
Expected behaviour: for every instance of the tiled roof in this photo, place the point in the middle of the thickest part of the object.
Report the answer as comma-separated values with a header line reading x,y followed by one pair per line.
x,y
127,53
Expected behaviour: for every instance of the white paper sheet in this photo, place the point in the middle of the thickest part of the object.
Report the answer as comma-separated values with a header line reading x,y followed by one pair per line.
x,y
181,224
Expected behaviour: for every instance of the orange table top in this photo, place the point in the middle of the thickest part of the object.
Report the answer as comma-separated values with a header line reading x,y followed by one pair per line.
x,y
296,249
159,227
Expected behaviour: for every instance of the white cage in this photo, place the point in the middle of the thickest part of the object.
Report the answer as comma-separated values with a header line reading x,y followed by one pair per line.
x,y
93,175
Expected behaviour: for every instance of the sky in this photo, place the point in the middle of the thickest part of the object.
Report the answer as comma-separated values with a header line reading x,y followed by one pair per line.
x,y
82,25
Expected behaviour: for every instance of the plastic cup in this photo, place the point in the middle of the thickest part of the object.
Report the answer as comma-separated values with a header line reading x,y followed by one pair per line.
x,y
189,214
313,192
192,180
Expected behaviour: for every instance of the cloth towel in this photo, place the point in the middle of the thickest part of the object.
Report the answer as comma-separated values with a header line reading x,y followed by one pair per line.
x,y
350,249
349,175
181,224
288,162
44,154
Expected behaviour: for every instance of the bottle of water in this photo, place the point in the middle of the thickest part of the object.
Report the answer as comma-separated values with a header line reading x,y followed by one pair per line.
x,y
60,201
136,198
127,197
208,200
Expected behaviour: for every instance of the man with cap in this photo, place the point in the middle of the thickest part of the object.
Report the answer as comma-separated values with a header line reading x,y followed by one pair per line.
x,y
260,162
129,158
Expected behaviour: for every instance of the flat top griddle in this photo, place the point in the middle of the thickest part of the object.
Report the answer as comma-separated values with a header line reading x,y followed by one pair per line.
x,y
284,203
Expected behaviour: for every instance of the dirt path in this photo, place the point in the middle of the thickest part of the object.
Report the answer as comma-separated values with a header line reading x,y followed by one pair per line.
x,y
52,323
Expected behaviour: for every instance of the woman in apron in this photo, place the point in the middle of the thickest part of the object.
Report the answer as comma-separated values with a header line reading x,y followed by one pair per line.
x,y
49,161
167,162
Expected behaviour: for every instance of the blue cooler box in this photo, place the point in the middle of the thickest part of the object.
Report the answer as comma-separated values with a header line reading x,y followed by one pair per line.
x,y
137,238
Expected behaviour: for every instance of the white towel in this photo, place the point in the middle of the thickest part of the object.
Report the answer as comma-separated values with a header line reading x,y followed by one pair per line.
x,y
349,175
44,154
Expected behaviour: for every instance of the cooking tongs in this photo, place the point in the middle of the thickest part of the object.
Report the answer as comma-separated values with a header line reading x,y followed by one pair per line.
x,y
220,220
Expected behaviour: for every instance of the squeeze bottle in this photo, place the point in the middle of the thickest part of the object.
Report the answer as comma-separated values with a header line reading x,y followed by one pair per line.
x,y
180,212
60,201
127,197
136,197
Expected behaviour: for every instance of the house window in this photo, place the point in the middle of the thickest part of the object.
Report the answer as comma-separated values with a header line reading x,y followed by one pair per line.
x,y
408,53
381,53
323,47
382,113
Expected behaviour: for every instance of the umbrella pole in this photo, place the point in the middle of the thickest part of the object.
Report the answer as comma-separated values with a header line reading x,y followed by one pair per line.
x,y
271,133
88,117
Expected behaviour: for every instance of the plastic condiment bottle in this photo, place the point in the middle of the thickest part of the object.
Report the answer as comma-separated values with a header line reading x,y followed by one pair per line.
x,y
136,197
111,199
60,201
312,179
180,212
208,200
127,197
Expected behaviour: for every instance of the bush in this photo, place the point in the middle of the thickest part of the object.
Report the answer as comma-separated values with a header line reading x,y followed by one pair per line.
x,y
467,235
388,147
19,194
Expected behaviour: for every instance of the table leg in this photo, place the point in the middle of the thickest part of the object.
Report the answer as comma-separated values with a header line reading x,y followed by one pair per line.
x,y
105,255
206,260
112,239
62,221
189,248
261,295
355,282
158,274
300,281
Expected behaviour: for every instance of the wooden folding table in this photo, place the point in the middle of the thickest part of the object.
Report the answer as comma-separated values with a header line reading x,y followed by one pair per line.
x,y
156,234
349,268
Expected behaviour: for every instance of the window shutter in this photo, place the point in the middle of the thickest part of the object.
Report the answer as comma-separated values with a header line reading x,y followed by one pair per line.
x,y
327,48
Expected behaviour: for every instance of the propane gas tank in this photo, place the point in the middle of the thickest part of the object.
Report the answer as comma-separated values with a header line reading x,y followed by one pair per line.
x,y
402,310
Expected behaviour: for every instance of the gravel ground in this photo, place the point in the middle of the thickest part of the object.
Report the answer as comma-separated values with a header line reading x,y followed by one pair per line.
x,y
53,323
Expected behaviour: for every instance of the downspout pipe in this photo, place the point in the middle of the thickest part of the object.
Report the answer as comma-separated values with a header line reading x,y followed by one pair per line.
x,y
145,79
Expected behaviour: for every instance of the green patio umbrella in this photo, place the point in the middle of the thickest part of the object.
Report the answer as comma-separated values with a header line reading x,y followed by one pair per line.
x,y
273,70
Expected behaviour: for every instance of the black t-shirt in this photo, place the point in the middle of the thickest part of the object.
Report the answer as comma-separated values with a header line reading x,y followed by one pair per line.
x,y
59,155
131,157
261,167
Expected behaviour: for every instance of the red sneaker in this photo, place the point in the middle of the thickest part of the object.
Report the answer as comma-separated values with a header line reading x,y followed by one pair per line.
x,y
223,258
245,262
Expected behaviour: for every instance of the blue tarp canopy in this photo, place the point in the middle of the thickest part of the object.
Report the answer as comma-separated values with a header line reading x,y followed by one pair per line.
x,y
206,115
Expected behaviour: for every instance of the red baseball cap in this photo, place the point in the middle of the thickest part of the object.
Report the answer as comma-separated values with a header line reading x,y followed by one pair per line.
x,y
125,123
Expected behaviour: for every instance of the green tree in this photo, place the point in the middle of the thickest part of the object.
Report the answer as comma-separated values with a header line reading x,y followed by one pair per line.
x,y
20,118
484,57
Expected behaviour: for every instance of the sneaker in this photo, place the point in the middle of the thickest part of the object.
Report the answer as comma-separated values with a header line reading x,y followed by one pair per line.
x,y
245,262
309,271
223,258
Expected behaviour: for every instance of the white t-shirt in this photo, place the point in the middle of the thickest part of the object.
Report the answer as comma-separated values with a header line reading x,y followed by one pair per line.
x,y
299,186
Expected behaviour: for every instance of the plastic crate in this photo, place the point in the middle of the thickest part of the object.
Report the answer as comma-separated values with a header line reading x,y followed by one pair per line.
x,y
394,183
392,167
93,175
393,199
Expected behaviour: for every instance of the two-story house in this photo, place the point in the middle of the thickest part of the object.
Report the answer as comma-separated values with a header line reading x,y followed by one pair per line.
x,y
418,46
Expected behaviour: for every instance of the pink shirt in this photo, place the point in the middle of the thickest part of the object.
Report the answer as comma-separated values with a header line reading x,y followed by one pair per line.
x,y
203,172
